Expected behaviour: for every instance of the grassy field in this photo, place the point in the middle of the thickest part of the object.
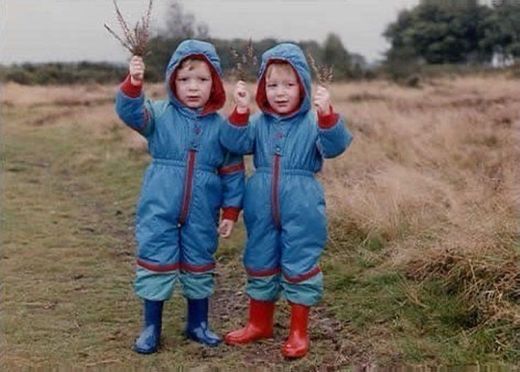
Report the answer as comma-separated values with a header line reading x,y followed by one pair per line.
x,y
422,265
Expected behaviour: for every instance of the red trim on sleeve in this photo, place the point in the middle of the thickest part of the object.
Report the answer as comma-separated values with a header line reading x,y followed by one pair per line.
x,y
329,120
240,120
232,168
230,213
129,89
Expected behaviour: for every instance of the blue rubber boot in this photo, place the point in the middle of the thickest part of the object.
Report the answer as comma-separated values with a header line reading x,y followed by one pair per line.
x,y
148,340
197,328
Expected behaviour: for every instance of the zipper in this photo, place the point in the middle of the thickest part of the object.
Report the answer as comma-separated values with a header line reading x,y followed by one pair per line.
x,y
188,186
275,196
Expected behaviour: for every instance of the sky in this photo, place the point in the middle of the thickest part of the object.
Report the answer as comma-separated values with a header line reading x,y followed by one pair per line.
x,y
72,30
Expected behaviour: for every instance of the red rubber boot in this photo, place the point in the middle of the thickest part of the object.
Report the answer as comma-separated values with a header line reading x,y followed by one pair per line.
x,y
297,345
260,324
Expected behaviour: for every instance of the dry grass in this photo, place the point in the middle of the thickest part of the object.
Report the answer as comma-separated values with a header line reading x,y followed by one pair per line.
x,y
435,173
432,173
441,160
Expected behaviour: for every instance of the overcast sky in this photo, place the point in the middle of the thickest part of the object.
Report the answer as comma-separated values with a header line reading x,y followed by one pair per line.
x,y
72,30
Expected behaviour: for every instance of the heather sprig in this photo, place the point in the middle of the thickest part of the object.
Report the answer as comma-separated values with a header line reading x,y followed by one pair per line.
x,y
324,74
134,39
244,62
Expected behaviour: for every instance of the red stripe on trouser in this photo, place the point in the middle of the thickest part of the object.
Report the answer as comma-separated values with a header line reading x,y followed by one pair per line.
x,y
262,273
188,184
196,268
301,278
157,268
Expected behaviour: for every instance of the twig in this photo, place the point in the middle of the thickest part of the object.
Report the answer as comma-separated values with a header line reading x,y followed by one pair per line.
x,y
135,40
324,74
244,62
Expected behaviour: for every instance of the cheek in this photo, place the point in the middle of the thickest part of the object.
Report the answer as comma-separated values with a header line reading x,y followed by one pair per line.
x,y
179,87
207,89
295,94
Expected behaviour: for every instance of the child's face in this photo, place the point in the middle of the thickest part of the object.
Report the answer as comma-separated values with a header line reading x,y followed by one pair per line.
x,y
193,83
282,88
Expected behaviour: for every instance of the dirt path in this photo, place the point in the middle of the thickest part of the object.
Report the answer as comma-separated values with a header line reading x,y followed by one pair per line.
x,y
67,262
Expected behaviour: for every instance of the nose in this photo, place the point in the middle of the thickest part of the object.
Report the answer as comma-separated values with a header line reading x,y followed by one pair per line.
x,y
192,85
280,91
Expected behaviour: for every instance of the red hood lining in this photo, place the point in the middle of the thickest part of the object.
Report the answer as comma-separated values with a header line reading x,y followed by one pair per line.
x,y
217,96
261,97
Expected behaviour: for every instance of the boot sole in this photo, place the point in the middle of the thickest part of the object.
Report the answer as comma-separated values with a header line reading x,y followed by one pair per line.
x,y
295,356
145,351
197,340
245,342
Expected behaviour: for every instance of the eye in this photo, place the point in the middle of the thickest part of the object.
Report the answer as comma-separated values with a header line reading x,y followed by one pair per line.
x,y
183,79
271,85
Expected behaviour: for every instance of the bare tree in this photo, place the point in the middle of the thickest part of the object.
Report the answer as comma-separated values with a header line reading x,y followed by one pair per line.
x,y
180,24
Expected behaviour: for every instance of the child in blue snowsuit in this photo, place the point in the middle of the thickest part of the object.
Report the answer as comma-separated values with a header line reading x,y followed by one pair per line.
x,y
284,206
190,178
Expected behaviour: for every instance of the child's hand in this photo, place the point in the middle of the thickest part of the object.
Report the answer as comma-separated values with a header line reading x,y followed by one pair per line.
x,y
242,97
136,70
226,228
322,100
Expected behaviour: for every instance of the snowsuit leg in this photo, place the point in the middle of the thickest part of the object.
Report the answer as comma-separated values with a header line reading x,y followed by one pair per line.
x,y
303,237
262,253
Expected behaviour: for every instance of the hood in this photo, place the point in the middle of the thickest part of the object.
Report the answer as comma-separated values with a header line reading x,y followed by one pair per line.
x,y
204,51
292,54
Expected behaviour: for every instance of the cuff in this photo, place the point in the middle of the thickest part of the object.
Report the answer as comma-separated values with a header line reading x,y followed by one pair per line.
x,y
240,120
329,120
230,213
129,89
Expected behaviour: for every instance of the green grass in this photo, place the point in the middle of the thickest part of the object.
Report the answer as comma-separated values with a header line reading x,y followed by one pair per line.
x,y
68,205
416,322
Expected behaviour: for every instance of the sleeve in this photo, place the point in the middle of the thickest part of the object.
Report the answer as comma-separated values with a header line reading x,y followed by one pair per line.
x,y
238,134
133,109
333,135
233,179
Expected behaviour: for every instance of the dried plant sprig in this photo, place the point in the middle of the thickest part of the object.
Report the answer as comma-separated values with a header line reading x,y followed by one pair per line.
x,y
136,39
244,62
324,74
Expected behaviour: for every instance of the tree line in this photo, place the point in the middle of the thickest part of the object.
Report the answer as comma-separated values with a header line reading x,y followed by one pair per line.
x,y
433,33
456,32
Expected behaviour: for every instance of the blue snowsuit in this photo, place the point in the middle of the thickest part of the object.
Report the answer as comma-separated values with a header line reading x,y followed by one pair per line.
x,y
190,177
284,205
